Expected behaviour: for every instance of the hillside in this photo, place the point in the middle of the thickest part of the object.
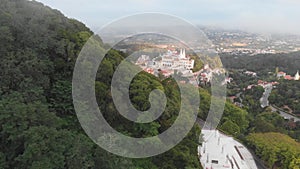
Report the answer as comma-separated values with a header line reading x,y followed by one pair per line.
x,y
278,150
38,125
263,63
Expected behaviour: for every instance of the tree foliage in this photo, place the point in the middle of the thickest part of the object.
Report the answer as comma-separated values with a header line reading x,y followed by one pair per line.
x,y
38,125
278,150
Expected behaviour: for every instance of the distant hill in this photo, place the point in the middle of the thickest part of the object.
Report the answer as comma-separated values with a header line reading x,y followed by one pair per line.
x,y
263,63
31,27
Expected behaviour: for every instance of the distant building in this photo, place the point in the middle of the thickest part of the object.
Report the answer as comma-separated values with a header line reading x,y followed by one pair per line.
x,y
288,77
149,70
228,80
143,60
232,98
281,74
174,61
167,63
251,73
260,82
297,77
206,66
250,87
167,72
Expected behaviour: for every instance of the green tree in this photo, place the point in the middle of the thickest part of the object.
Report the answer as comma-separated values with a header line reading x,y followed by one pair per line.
x,y
277,150
230,128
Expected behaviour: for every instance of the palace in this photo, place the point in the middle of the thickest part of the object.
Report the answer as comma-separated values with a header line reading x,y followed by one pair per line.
x,y
169,62
172,60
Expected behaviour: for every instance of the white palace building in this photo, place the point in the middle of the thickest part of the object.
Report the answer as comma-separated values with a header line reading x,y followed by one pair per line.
x,y
173,60
168,62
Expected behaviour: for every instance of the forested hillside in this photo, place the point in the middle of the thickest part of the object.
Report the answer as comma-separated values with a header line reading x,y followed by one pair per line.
x,y
38,125
287,94
278,150
263,63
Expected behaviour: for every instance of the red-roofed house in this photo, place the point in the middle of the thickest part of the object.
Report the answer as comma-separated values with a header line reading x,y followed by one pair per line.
x,y
288,77
281,74
149,70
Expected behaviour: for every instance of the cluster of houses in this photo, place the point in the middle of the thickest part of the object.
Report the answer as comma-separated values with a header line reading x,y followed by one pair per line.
x,y
265,84
288,77
206,74
261,83
177,62
168,64
279,75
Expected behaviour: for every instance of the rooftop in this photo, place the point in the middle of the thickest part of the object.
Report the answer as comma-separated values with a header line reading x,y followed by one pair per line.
x,y
221,151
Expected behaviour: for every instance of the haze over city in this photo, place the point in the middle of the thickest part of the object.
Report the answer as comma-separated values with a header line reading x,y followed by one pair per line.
x,y
267,16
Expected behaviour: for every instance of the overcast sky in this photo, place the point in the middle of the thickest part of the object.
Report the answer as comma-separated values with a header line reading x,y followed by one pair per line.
x,y
266,16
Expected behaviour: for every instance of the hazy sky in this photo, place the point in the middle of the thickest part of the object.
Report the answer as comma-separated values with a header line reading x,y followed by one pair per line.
x,y
267,16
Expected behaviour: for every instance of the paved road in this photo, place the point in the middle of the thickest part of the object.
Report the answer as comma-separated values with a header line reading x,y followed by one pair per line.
x,y
285,115
264,100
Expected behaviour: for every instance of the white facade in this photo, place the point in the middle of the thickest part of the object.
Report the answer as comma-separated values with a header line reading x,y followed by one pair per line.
x,y
168,63
173,61
297,77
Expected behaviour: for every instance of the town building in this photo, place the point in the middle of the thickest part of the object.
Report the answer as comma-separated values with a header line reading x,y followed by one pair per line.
x,y
172,60
168,63
288,77
251,73
297,77
281,74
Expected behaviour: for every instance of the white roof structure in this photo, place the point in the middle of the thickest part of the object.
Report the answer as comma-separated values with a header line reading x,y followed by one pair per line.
x,y
219,151
297,76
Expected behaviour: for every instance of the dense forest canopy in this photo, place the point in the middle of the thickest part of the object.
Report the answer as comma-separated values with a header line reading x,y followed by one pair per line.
x,y
287,94
278,150
38,125
263,63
